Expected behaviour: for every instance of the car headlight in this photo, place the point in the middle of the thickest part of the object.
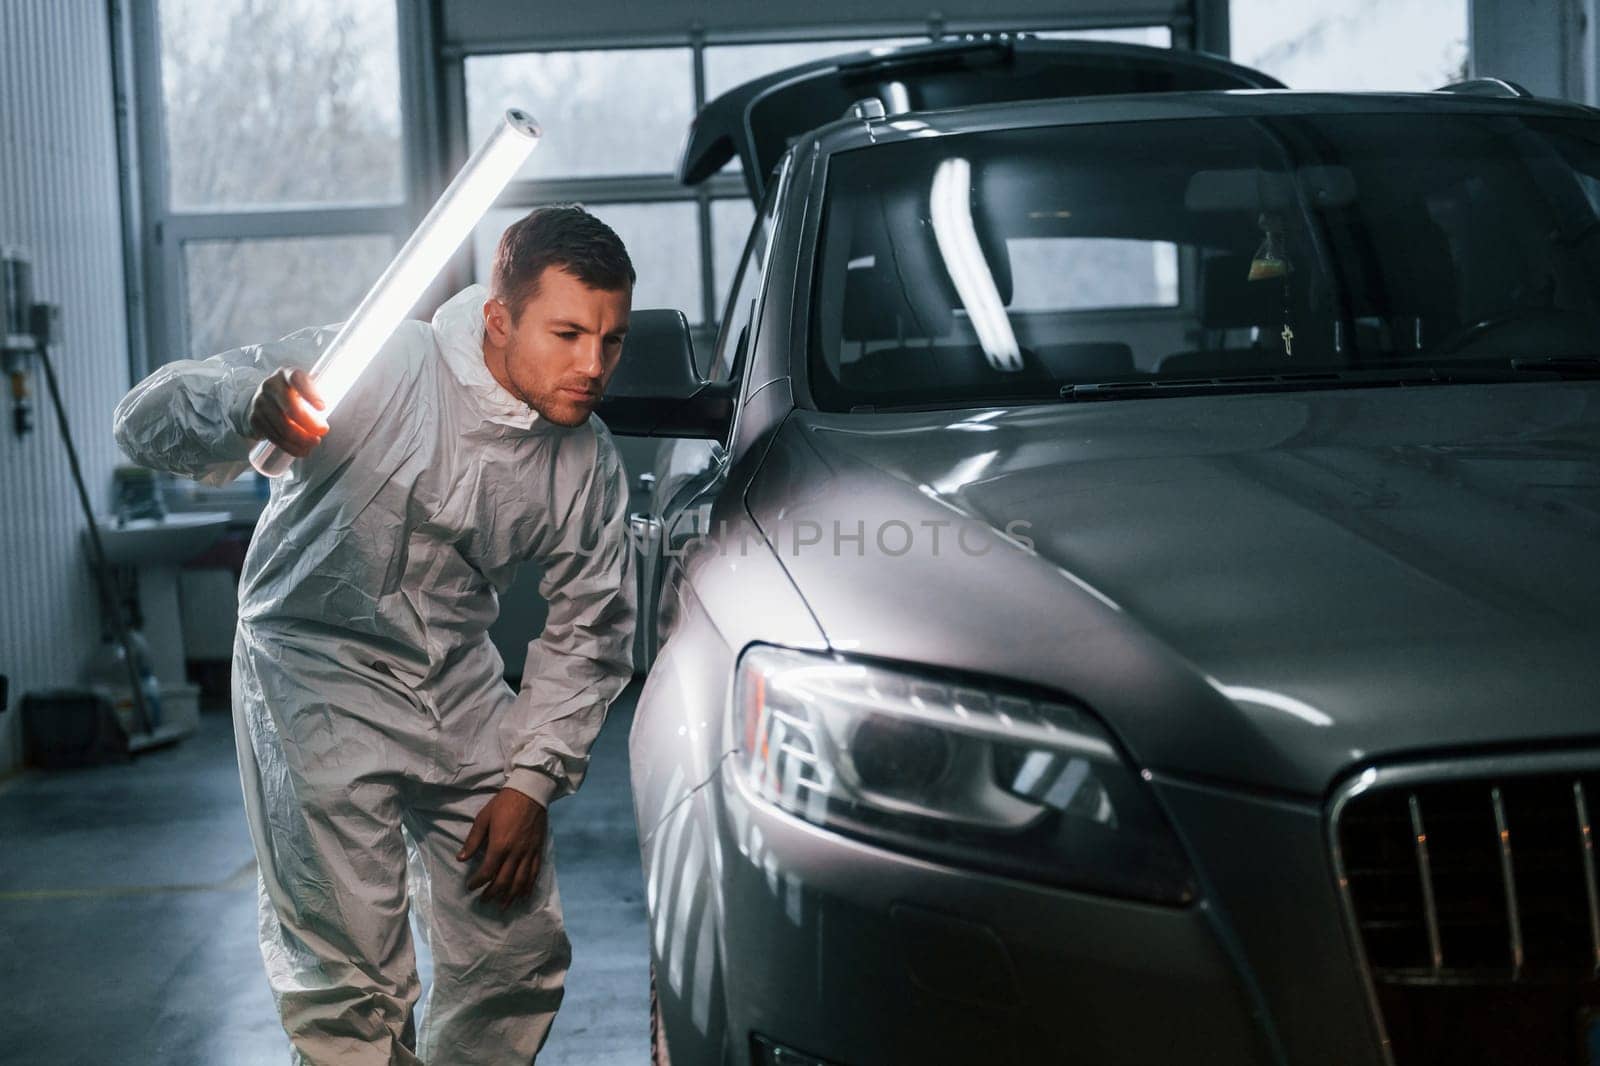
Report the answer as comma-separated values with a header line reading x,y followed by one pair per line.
x,y
975,777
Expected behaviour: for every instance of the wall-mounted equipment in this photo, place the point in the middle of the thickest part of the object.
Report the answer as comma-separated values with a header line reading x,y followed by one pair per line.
x,y
31,330
16,334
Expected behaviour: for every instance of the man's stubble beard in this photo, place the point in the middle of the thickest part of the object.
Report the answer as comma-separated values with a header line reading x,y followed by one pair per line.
x,y
557,411
578,418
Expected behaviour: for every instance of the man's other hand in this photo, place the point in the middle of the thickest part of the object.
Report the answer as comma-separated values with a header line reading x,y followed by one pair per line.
x,y
510,832
285,410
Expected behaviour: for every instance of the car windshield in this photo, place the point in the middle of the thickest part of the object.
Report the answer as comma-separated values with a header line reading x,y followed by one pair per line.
x,y
1003,266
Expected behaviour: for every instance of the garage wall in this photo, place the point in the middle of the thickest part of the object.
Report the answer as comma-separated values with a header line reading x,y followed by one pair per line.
x,y
1551,47
59,199
1354,45
489,25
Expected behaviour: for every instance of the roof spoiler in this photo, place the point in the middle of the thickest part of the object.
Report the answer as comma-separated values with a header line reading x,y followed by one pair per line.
x,y
757,121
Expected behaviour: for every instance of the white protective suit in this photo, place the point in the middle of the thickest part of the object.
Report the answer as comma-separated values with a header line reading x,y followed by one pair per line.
x,y
367,697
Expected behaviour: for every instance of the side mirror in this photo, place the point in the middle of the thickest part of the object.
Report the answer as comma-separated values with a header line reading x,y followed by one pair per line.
x,y
656,391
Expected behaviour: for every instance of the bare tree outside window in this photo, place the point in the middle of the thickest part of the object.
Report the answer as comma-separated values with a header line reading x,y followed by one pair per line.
x,y
274,104
280,102
622,111
1353,45
245,292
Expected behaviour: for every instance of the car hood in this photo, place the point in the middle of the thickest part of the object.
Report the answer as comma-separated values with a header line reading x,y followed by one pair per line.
x,y
1264,589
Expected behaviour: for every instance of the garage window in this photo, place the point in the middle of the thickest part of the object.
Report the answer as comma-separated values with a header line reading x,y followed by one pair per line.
x,y
605,113
1402,45
275,180
287,163
309,281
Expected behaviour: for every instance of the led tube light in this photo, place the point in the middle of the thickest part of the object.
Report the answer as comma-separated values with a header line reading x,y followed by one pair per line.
x,y
427,250
950,205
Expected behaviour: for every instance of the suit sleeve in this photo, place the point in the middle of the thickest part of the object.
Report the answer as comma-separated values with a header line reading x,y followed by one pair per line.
x,y
191,417
584,657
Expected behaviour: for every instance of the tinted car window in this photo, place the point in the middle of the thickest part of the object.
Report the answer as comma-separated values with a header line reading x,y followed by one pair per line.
x,y
734,338
1005,265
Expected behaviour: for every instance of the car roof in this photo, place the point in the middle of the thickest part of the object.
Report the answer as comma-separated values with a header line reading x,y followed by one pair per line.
x,y
849,133
756,121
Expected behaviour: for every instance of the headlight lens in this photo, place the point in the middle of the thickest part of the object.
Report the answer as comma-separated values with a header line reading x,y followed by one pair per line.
x,y
999,782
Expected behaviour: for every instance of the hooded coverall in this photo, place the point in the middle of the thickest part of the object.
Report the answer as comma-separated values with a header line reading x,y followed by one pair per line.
x,y
370,706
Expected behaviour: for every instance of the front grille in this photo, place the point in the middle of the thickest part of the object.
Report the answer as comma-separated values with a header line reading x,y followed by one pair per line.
x,y
1476,904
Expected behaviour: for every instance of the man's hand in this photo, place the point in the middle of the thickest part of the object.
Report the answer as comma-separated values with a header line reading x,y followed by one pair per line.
x,y
510,831
284,411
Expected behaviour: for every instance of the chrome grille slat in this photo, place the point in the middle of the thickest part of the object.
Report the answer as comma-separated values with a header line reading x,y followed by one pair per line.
x,y
1430,907
1471,891
1586,848
1508,875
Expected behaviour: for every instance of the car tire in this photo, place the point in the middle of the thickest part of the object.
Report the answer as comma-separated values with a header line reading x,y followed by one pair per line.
x,y
658,1034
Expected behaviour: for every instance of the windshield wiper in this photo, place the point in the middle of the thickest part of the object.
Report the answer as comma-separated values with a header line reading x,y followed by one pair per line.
x,y
1575,365
1326,379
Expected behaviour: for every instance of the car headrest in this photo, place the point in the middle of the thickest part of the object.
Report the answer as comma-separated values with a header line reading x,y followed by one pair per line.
x,y
891,286
896,282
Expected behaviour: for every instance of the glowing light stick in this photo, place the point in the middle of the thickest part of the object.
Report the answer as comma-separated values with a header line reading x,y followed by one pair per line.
x,y
435,240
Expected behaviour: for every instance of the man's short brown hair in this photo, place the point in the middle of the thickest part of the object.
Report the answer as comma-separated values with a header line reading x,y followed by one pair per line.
x,y
564,236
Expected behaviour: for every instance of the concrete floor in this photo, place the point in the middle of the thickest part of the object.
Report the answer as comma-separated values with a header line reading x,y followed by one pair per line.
x,y
128,911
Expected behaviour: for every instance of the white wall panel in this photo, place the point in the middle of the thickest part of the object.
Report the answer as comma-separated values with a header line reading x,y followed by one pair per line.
x,y
59,199
1547,46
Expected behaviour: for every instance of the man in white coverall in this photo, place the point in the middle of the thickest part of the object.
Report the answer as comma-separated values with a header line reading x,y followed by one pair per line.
x,y
369,704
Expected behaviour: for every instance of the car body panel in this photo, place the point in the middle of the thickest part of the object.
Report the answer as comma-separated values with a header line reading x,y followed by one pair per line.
x,y
705,612
1263,864
840,941
684,876
1259,589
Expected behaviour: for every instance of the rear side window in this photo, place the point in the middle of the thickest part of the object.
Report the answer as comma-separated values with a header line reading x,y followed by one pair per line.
x,y
738,318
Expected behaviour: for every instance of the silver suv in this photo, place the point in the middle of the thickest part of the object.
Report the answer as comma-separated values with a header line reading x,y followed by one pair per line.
x,y
1123,589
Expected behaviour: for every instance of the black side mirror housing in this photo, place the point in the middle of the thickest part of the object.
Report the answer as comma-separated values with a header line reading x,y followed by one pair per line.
x,y
656,391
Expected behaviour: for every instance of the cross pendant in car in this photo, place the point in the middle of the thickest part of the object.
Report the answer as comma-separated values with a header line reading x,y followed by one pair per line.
x,y
1288,341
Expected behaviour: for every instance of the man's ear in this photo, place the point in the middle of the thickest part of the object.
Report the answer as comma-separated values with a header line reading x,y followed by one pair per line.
x,y
496,322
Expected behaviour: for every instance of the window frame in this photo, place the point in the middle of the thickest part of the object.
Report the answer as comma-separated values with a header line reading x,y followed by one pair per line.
x,y
159,232
434,145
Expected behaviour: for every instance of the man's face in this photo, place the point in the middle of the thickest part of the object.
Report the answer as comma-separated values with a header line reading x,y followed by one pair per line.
x,y
560,353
